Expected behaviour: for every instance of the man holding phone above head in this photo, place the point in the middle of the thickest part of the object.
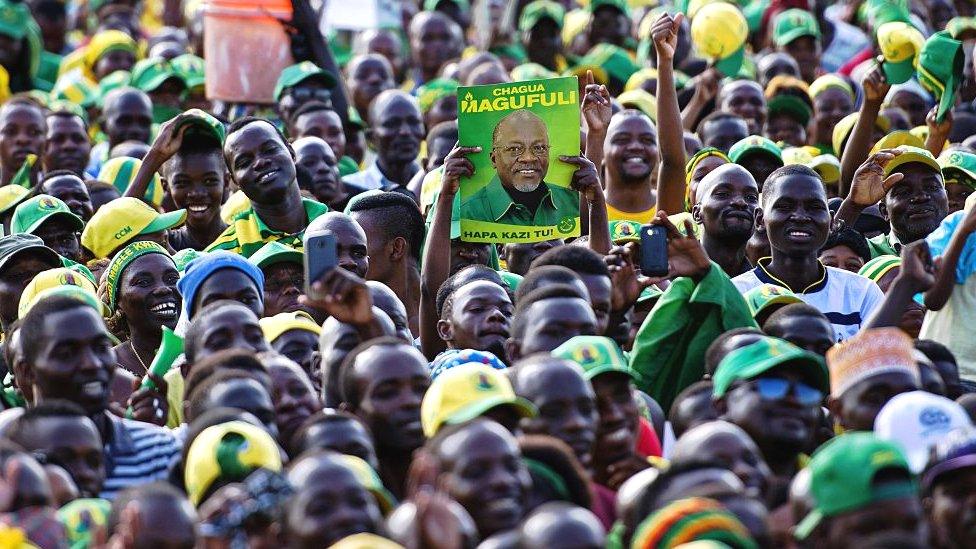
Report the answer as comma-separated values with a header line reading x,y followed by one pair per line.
x,y
262,164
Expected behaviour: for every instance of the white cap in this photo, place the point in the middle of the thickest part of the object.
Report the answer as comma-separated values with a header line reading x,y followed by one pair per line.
x,y
916,421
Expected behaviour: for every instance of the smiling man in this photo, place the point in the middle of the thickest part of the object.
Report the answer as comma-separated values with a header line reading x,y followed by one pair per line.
x,y
631,159
795,215
262,164
518,194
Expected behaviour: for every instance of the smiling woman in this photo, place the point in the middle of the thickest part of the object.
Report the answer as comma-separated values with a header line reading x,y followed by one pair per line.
x,y
141,289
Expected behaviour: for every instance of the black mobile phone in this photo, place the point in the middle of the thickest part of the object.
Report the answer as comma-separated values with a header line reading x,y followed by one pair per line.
x,y
320,257
654,250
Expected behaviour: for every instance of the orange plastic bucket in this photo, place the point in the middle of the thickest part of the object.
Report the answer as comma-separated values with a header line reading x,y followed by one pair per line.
x,y
245,48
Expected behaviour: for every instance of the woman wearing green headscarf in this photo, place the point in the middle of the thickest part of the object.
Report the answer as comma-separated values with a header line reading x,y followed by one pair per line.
x,y
139,287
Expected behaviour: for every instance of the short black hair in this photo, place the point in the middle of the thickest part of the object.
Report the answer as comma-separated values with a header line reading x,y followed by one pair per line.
x,y
850,238
456,280
21,429
788,170
396,215
347,382
154,490
299,444
538,277
713,353
581,260
774,323
59,173
200,319
311,106
700,386
241,123
64,113
716,116
199,398
32,338
540,294
231,359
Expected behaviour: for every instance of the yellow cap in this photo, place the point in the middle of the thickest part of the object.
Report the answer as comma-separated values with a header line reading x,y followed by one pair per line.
x,y
228,451
844,128
121,220
637,79
896,139
830,81
54,278
641,100
464,393
11,195
719,32
365,540
799,155
911,155
274,326
828,166
900,44
104,42
236,203
4,84
574,24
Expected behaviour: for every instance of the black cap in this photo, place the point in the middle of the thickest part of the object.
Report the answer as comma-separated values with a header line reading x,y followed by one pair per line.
x,y
22,242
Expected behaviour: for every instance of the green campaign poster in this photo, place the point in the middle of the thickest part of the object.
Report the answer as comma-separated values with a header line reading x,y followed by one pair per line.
x,y
520,189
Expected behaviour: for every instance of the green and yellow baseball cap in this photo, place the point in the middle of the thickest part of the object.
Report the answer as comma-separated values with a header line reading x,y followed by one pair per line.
x,y
641,100
880,12
799,155
879,266
765,296
755,144
15,17
32,213
274,326
191,68
275,252
762,356
596,354
843,130
608,62
830,81
827,166
791,106
842,474
510,279
75,89
111,81
910,155
958,167
900,45
227,452
121,171
531,71
465,392
11,195
940,68
897,138
370,480
107,41
622,231
57,278
299,72
435,90
719,32
792,24
541,9
121,220
202,122
962,28
149,74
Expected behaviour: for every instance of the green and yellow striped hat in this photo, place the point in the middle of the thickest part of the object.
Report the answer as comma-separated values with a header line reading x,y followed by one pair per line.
x,y
879,266
121,171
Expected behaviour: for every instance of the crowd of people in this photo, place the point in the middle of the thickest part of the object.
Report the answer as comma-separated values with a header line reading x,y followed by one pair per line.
x,y
804,374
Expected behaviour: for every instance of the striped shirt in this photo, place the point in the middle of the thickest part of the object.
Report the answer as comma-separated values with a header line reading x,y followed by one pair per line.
x,y
138,453
845,298
247,232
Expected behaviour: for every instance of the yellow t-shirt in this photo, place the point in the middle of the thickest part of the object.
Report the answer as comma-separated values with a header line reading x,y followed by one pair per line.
x,y
640,217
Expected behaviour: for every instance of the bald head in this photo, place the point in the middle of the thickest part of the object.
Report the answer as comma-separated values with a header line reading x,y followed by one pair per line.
x,y
726,173
127,116
385,102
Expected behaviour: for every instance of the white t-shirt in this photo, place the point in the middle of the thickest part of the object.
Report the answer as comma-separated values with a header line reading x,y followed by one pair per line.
x,y
845,298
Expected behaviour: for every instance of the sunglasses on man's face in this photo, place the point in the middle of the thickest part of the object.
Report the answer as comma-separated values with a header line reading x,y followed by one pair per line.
x,y
775,388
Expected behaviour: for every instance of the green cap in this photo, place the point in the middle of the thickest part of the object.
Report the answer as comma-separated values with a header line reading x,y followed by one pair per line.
x,y
299,72
618,4
755,144
511,280
539,10
764,296
434,90
650,293
900,44
753,360
842,472
880,12
622,231
149,74
14,19
792,24
117,79
940,67
958,167
275,252
431,5
531,71
789,105
596,354
608,62
202,122
32,213
191,68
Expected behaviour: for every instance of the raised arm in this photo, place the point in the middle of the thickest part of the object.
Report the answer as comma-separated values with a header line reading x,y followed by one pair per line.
x,y
671,177
938,131
167,143
868,187
596,111
859,143
587,183
437,251
917,275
